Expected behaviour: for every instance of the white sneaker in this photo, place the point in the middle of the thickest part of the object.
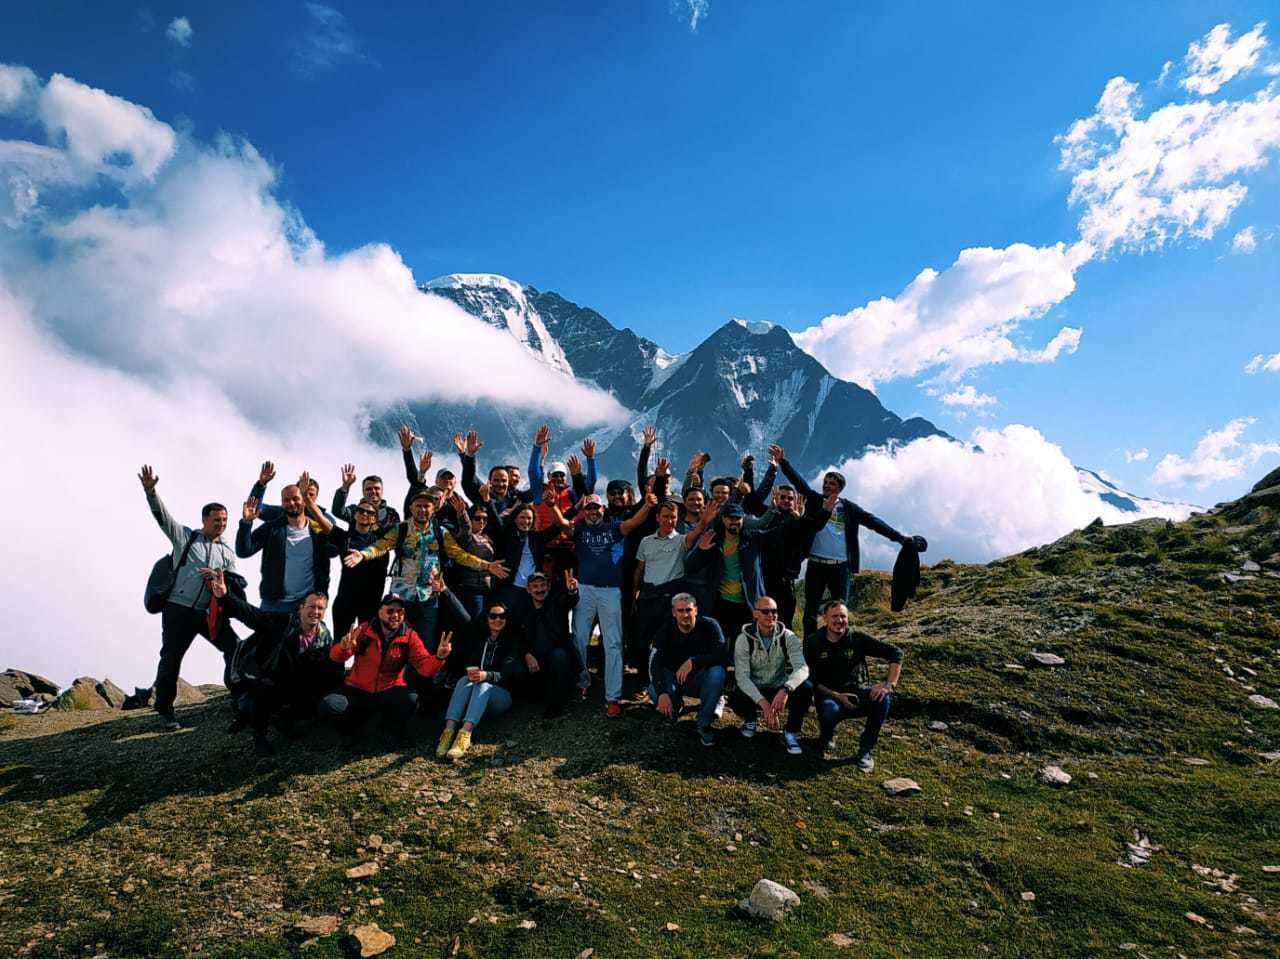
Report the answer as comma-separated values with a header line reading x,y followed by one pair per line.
x,y
748,729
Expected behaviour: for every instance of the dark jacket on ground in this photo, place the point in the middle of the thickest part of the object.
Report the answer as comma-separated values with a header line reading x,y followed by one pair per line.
x,y
855,516
906,576
271,654
843,665
704,644
271,539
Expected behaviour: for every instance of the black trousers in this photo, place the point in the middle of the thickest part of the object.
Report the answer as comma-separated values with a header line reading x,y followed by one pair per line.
x,y
352,705
732,617
554,682
357,604
819,579
652,609
179,626
798,702
781,588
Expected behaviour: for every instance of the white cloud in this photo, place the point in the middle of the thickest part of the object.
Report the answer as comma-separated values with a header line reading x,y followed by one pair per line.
x,y
967,395
1145,181
1006,491
1220,455
1215,60
326,41
1245,241
179,31
695,11
193,321
1260,363
1139,457
953,321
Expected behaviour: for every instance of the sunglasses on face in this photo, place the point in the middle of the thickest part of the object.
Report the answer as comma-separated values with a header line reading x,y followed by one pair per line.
x,y
497,615
767,612
366,512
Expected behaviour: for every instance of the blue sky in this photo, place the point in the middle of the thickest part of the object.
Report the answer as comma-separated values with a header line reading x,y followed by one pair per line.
x,y
781,162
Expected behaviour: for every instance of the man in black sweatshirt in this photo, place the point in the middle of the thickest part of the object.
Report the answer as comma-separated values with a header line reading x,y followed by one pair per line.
x,y
690,658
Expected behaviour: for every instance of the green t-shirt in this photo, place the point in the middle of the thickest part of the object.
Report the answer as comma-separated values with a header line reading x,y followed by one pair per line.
x,y
731,583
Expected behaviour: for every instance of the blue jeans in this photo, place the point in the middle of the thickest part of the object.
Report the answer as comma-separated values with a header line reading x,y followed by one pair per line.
x,y
471,700
706,683
831,712
422,616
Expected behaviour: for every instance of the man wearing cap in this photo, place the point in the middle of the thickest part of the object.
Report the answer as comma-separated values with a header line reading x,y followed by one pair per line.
x,y
730,553
382,648
598,551
558,552
418,544
550,655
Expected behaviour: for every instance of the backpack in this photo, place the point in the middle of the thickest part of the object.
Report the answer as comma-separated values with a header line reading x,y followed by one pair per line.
x,y
750,633
164,573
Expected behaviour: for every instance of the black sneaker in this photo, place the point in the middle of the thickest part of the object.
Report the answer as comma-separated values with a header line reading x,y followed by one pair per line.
x,y
169,721
827,746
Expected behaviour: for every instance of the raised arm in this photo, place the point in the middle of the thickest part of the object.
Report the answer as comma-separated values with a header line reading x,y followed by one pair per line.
x,y
339,504
248,539
406,452
175,531
540,441
863,518
589,452
467,449
642,461
639,516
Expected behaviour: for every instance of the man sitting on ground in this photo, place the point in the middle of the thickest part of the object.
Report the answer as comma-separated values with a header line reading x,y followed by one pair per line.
x,y
837,658
284,665
689,659
770,670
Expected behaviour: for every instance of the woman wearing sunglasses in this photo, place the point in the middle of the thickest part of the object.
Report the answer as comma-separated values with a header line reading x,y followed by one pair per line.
x,y
490,656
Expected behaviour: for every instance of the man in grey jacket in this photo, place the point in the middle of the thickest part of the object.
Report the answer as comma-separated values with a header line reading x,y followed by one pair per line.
x,y
770,670
186,612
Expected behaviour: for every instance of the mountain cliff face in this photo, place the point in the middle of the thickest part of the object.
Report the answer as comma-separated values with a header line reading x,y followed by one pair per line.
x,y
746,386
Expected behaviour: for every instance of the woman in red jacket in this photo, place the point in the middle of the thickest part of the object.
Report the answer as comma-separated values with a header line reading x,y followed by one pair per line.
x,y
382,647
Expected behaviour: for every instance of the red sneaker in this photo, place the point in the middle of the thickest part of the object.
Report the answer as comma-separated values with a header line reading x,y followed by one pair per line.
x,y
613,709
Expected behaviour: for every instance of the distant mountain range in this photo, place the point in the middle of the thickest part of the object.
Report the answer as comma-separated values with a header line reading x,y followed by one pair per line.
x,y
745,386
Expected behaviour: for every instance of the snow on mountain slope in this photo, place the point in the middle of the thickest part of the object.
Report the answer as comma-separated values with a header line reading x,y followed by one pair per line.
x,y
1138,506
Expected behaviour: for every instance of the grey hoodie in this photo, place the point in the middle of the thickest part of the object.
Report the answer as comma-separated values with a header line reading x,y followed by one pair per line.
x,y
778,661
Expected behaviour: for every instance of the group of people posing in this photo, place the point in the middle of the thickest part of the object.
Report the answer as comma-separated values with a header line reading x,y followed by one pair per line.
x,y
489,590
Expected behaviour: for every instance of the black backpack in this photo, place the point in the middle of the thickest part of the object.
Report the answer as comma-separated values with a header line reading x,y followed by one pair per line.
x,y
163,575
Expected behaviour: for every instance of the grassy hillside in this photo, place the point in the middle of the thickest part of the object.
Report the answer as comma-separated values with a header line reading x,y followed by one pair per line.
x,y
561,836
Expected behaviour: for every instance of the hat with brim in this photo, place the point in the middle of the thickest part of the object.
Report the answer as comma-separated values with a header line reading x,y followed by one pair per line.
x,y
391,599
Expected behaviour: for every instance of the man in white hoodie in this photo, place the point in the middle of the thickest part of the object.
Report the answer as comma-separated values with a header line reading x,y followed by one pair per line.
x,y
770,670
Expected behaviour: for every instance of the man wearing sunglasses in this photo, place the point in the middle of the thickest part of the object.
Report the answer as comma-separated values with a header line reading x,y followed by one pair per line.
x,y
770,670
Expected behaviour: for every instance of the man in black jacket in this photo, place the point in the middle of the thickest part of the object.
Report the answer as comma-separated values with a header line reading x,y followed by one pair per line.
x,y
549,651
284,664
295,552
833,550
837,660
690,658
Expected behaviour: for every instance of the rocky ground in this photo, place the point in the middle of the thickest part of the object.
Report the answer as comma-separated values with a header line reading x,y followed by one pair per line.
x,y
1090,728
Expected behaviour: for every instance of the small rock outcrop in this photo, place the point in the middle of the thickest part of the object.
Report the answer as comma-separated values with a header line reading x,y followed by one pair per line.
x,y
112,693
18,684
1054,776
83,694
188,695
900,786
770,900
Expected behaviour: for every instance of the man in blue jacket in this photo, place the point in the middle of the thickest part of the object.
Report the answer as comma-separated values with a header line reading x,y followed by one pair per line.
x,y
295,552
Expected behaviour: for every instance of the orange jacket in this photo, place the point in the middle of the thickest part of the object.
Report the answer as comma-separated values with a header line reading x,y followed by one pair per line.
x,y
380,663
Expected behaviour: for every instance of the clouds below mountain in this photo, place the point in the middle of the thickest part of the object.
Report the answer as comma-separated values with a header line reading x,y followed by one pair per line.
x,y
1220,455
1005,491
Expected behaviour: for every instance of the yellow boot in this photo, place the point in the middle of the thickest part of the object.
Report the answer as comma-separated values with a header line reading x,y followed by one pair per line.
x,y
460,745
442,747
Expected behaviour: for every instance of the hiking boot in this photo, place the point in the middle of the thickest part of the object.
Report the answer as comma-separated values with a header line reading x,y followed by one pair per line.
x,y
461,743
446,740
748,729
168,720
614,709
792,744
707,735
864,762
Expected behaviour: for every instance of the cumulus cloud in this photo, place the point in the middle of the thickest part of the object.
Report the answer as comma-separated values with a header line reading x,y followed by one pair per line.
x,y
179,31
1220,455
1005,491
1144,181
1261,363
1245,241
326,40
968,396
160,304
1215,60
953,321
1137,457
694,11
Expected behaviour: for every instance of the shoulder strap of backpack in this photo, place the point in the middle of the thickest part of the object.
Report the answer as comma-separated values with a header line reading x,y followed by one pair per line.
x,y
186,550
402,531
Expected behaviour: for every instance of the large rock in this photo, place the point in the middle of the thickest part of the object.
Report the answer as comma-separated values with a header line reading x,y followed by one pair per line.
x,y
1263,702
112,693
1054,776
83,694
770,900
372,940
1047,659
38,683
900,786
16,684
10,691
188,695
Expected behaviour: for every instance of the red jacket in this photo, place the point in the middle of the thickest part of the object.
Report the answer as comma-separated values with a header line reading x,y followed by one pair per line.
x,y
380,663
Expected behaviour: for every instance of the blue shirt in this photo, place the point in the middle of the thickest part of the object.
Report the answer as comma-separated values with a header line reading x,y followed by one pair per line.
x,y
599,550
